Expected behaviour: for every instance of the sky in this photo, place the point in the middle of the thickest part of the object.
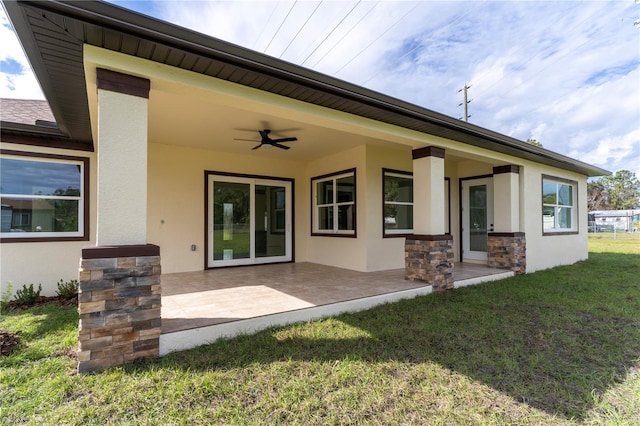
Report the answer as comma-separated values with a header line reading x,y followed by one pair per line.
x,y
566,73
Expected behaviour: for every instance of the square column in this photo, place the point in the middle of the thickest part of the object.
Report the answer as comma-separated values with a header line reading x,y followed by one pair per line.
x,y
507,247
119,299
429,251
122,158
428,191
506,198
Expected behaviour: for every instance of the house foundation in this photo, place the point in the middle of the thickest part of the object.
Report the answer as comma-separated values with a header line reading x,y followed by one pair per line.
x,y
429,258
119,304
507,250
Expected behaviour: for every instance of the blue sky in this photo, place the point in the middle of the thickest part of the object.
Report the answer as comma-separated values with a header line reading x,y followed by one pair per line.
x,y
566,73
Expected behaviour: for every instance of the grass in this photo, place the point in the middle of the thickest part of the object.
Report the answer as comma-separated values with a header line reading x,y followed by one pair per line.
x,y
555,347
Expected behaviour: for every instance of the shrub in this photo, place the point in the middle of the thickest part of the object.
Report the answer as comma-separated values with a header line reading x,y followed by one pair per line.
x,y
27,295
5,296
67,289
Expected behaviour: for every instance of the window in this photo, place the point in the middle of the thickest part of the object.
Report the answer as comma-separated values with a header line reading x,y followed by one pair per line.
x,y
398,202
43,197
558,205
334,204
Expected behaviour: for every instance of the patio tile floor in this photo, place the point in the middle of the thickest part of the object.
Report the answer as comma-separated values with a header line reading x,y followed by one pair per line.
x,y
204,298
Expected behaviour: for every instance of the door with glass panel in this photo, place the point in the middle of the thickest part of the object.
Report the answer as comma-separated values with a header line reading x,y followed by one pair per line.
x,y
477,218
249,221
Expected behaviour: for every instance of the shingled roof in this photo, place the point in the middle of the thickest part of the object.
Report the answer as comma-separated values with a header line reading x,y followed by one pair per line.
x,y
25,111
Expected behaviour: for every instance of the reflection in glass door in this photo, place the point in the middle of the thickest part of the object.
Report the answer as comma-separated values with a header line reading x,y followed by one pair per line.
x,y
249,221
477,218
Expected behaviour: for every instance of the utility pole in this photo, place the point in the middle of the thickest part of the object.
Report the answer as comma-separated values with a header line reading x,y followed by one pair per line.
x,y
465,102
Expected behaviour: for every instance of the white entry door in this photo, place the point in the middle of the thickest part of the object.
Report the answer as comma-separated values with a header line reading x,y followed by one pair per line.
x,y
477,218
249,221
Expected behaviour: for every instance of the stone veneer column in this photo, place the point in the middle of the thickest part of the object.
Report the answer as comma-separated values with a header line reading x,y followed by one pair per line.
x,y
507,250
429,258
428,253
506,247
119,303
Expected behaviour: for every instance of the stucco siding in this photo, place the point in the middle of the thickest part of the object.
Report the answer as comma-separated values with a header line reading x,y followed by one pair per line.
x,y
176,199
47,263
547,251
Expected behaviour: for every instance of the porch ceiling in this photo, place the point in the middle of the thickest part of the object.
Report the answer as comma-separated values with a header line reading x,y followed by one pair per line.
x,y
200,122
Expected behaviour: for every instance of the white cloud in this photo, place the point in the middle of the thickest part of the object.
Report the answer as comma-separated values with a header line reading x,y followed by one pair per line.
x,y
21,84
566,73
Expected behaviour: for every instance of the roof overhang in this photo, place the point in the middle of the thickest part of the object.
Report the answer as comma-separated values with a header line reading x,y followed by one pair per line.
x,y
53,34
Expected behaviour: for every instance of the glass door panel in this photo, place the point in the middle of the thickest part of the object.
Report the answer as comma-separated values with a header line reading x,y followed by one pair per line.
x,y
270,219
231,221
249,221
477,218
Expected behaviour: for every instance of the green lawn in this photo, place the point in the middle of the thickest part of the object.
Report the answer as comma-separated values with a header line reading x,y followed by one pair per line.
x,y
551,348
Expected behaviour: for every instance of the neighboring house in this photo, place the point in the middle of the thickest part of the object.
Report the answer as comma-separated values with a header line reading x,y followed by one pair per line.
x,y
152,145
614,220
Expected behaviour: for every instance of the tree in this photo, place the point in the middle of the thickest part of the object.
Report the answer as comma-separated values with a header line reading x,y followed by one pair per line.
x,y
620,191
534,142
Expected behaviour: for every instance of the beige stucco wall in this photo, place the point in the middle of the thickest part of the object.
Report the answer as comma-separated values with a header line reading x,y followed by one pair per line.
x,y
176,199
47,263
546,251
122,169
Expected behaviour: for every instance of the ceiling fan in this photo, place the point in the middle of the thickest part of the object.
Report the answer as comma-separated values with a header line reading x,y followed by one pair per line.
x,y
266,140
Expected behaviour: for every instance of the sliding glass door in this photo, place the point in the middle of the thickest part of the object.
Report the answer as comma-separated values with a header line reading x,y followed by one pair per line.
x,y
249,221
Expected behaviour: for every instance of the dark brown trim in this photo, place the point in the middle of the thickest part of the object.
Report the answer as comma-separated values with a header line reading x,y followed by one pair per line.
x,y
559,179
509,168
355,205
111,252
448,224
427,151
460,224
418,237
86,164
548,234
505,234
122,83
207,174
384,202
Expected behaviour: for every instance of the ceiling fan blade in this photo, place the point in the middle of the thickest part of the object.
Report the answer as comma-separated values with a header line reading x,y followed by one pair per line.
x,y
285,140
256,147
281,146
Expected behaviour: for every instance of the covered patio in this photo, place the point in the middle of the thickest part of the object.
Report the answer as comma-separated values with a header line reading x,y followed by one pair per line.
x,y
202,306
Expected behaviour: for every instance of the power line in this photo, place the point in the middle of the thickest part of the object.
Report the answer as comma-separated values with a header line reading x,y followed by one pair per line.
x,y
281,24
264,27
428,39
301,28
331,32
377,38
346,34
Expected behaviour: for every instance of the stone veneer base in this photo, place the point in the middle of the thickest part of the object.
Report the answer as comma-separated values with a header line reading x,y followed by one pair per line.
x,y
507,251
119,304
429,258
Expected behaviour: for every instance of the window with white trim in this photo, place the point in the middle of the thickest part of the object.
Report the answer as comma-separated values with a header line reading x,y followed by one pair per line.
x,y
559,205
398,202
42,196
334,204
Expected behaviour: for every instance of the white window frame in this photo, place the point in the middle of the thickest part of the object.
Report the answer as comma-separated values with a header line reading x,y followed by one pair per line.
x,y
557,229
81,234
334,205
394,173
